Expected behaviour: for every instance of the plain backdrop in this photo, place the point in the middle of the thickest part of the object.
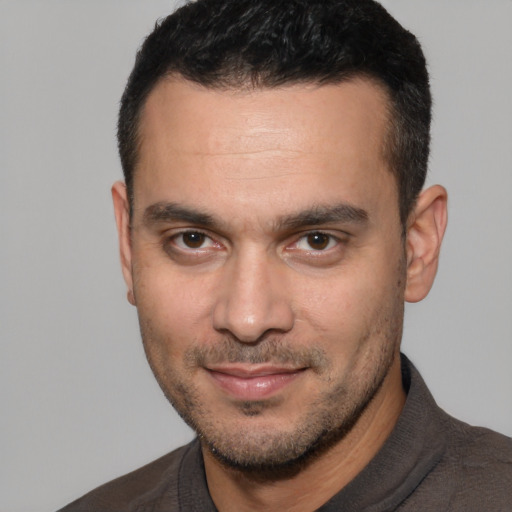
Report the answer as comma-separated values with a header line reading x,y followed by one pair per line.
x,y
79,404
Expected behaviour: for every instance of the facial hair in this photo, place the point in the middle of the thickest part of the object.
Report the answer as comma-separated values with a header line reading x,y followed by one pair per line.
x,y
266,453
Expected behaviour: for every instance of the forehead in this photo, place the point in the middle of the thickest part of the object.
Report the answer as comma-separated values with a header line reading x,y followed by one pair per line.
x,y
285,142
210,116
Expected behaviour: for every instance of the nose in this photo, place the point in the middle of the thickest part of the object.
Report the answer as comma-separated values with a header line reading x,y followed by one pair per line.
x,y
252,299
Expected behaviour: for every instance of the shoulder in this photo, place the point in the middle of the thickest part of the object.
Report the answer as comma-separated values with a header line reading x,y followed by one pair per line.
x,y
132,491
475,471
479,453
470,468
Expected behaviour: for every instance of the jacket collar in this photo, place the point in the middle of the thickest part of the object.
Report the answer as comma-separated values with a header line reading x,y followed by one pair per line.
x,y
414,447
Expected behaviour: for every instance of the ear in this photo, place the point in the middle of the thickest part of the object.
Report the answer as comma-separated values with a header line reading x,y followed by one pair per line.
x,y
426,227
122,212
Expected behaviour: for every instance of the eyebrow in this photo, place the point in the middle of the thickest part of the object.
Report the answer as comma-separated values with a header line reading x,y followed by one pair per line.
x,y
314,216
324,214
172,212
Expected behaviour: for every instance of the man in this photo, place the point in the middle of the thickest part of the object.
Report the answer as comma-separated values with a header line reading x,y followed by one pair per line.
x,y
271,224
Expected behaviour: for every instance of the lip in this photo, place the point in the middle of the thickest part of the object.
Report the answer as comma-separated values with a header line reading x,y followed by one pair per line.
x,y
253,382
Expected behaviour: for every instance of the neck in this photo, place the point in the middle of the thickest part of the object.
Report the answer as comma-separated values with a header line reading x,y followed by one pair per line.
x,y
311,487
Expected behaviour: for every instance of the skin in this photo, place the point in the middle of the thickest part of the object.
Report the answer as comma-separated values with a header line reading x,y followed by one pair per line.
x,y
266,260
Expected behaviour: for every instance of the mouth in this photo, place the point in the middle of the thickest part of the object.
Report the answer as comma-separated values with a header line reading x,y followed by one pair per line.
x,y
253,382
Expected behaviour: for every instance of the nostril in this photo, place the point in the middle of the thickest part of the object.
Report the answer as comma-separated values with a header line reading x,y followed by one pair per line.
x,y
252,298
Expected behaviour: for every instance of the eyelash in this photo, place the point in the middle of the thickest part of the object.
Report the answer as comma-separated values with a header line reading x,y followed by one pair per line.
x,y
331,242
204,236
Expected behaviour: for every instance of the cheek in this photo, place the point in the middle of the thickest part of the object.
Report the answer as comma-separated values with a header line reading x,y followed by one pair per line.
x,y
344,309
174,307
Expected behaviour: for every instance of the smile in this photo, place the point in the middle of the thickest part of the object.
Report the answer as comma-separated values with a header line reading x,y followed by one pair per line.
x,y
253,382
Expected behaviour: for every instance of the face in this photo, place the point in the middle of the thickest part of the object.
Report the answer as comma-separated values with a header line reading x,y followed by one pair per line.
x,y
266,262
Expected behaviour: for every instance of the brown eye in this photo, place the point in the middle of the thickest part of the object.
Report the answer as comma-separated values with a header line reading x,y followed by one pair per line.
x,y
318,241
191,246
193,239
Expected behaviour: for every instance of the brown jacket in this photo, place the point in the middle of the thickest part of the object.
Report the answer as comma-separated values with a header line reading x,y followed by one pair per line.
x,y
431,462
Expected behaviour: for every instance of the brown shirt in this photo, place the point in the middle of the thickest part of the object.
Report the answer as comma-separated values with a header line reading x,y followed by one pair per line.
x,y
430,462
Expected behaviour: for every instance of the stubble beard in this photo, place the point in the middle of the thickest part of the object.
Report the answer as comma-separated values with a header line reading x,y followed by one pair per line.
x,y
266,453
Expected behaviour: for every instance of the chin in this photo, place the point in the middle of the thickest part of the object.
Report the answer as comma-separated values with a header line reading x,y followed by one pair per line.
x,y
261,450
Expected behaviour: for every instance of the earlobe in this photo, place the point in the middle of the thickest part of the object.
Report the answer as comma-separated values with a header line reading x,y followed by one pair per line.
x,y
425,232
122,213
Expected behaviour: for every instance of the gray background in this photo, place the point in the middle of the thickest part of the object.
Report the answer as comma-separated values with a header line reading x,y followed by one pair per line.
x,y
79,404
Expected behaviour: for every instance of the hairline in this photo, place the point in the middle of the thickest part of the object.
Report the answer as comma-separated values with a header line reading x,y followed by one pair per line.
x,y
388,149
